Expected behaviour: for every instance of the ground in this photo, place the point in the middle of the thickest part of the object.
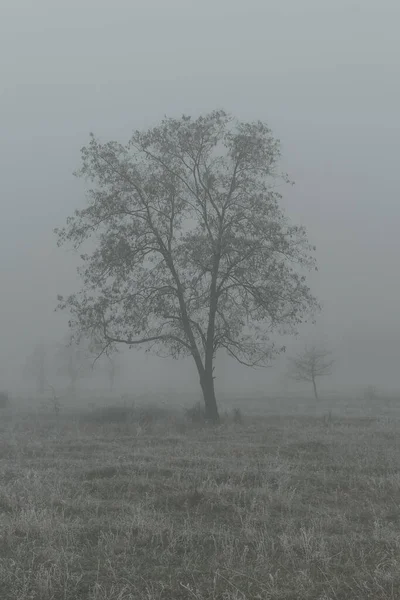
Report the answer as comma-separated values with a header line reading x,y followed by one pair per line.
x,y
277,507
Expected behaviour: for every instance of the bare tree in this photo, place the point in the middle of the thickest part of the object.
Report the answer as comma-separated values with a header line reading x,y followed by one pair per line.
x,y
194,253
310,364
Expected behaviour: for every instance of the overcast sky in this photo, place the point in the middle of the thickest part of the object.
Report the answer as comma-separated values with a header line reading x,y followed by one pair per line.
x,y
324,74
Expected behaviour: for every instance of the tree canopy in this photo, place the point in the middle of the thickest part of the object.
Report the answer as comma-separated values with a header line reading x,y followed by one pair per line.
x,y
193,253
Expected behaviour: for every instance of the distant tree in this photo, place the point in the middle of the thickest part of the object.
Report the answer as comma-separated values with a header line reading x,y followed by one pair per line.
x,y
75,360
35,367
311,364
194,253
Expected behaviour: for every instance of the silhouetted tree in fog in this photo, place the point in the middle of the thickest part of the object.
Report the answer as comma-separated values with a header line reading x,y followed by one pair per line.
x,y
310,364
193,252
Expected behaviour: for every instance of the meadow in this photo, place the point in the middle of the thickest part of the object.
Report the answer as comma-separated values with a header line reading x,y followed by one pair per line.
x,y
284,500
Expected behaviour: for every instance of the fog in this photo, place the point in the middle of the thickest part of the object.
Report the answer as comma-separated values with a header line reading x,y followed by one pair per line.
x,y
323,75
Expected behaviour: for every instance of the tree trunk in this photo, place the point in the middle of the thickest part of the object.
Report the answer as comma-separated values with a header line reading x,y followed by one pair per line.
x,y
315,389
210,401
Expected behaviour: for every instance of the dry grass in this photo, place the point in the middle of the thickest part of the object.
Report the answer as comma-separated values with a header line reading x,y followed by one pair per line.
x,y
276,508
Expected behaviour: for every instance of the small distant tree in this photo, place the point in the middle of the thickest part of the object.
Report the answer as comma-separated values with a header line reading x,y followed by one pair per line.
x,y
35,367
311,364
75,360
192,251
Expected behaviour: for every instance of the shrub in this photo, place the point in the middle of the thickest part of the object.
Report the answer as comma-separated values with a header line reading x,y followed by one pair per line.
x,y
237,416
327,419
148,415
145,416
110,414
196,414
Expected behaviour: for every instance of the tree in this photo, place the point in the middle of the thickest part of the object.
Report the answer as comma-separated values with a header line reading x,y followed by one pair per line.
x,y
193,252
75,361
35,367
310,364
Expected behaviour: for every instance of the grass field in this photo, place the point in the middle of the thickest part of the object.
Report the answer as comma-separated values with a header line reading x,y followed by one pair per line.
x,y
296,506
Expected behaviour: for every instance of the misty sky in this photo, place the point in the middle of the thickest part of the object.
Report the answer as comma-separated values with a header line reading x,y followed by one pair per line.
x,y
323,74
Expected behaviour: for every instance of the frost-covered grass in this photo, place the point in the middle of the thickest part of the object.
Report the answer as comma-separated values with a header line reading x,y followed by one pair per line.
x,y
278,507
